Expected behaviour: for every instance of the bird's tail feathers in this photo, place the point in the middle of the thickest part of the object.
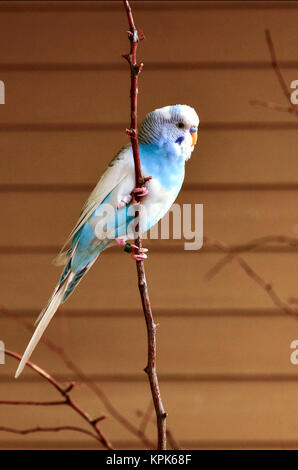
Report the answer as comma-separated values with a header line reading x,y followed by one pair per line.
x,y
66,285
45,318
61,258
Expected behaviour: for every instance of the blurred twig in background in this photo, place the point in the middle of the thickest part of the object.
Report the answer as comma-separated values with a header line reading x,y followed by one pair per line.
x,y
233,254
283,84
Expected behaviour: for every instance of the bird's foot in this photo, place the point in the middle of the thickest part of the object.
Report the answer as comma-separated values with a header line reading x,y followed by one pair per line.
x,y
138,254
138,192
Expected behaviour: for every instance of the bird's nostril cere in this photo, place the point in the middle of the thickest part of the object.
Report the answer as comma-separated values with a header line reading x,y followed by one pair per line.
x,y
179,140
193,130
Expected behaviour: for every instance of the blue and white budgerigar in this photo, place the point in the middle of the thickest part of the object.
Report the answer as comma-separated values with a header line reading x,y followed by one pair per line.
x,y
166,140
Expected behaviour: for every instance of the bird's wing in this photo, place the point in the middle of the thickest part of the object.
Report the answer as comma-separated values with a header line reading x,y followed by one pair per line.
x,y
119,168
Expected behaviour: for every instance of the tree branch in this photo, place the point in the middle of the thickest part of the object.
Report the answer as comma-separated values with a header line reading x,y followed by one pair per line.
x,y
266,286
150,369
91,384
65,393
276,68
291,242
283,84
47,429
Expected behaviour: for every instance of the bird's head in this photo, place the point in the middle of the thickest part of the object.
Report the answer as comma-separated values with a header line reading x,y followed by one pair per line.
x,y
176,125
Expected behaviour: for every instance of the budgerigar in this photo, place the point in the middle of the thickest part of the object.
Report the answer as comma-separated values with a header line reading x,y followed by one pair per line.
x,y
167,138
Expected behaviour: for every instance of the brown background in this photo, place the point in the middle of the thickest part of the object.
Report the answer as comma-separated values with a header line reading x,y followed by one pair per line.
x,y
224,349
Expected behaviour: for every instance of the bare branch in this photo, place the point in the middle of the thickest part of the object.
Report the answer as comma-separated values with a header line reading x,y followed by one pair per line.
x,y
291,242
150,369
283,84
148,418
47,429
274,106
97,434
91,384
268,288
276,68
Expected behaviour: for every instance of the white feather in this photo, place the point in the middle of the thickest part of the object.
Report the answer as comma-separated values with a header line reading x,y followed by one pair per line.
x,y
117,171
47,316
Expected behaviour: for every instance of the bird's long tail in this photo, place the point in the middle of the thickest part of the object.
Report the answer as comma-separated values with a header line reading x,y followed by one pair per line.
x,y
68,281
47,315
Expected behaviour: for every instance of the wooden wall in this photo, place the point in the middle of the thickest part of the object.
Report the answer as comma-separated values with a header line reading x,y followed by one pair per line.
x,y
224,349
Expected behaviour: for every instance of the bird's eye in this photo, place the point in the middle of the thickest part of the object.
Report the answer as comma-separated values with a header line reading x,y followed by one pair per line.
x,y
180,125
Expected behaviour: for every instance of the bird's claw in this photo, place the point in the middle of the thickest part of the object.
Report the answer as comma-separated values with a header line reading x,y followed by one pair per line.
x,y
138,254
139,257
138,192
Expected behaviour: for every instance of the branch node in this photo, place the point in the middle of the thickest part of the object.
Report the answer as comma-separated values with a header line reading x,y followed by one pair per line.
x,y
127,57
141,34
69,388
96,420
131,132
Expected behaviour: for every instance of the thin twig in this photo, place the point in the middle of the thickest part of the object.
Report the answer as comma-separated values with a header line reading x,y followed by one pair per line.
x,y
171,439
150,369
91,384
33,403
146,416
47,429
267,286
97,434
277,70
283,84
291,242
270,105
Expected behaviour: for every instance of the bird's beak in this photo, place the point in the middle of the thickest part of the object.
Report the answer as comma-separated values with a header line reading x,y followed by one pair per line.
x,y
194,135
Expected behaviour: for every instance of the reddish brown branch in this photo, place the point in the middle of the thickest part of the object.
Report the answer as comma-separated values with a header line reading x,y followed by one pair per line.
x,y
146,418
276,68
291,242
91,384
150,369
283,84
266,286
274,106
33,403
65,393
47,429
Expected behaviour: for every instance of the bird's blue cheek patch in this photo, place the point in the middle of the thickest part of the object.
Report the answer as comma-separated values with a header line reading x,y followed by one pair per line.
x,y
179,140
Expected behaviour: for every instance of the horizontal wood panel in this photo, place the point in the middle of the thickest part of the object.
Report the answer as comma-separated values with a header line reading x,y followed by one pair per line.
x,y
46,219
217,412
76,34
176,282
190,348
260,156
103,97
